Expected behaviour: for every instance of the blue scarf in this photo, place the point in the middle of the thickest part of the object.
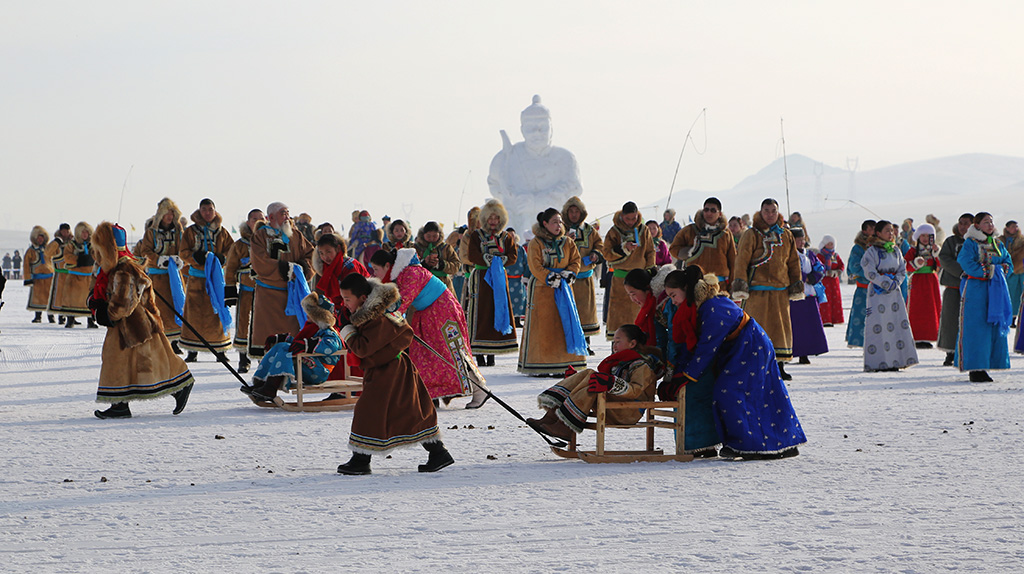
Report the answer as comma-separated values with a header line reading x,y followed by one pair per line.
x,y
565,301
1000,310
297,291
177,289
215,289
495,277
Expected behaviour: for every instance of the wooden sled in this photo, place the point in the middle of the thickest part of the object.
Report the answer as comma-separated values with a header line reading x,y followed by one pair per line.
x,y
659,414
347,386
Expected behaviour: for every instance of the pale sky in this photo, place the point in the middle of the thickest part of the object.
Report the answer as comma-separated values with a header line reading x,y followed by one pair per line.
x,y
389,106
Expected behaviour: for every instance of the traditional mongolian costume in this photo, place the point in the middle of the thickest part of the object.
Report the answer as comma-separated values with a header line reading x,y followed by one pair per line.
x,y
831,308
709,245
855,328
160,246
985,307
924,303
590,245
240,290
489,313
808,331
38,273
888,341
203,250
80,266
553,338
621,310
283,265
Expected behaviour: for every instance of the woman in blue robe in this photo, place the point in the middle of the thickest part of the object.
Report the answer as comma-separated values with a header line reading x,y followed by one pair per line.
x,y
752,411
985,309
855,327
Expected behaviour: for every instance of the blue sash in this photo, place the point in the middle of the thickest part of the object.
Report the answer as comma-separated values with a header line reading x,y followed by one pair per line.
x,y
297,290
41,276
215,289
177,289
1000,309
245,288
766,288
575,340
430,292
495,277
79,273
584,274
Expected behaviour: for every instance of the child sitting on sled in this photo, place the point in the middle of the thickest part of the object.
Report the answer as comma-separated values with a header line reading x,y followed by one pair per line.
x,y
630,373
277,367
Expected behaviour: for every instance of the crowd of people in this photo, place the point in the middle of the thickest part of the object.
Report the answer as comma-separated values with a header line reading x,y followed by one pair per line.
x,y
719,305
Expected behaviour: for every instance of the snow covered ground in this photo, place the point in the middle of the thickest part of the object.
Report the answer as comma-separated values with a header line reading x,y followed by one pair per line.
x,y
917,471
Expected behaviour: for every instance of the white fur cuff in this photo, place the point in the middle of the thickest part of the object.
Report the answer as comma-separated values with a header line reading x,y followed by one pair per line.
x,y
348,331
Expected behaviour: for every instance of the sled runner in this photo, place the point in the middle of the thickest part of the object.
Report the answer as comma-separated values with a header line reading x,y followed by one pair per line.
x,y
348,386
659,414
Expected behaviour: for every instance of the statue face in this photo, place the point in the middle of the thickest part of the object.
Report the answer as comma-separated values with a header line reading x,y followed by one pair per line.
x,y
537,133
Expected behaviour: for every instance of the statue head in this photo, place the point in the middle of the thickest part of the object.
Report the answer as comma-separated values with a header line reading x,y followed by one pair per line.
x,y
535,125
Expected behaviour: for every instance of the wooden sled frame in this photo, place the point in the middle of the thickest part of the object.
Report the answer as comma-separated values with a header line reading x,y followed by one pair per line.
x,y
348,385
659,414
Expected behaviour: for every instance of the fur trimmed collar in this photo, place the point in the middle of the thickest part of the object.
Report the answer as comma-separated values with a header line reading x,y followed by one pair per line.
x,y
323,318
720,223
574,201
377,304
542,232
198,220
976,234
705,289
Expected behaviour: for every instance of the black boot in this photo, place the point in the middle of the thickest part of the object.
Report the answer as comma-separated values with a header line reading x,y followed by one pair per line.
x,y
980,377
358,464
51,319
91,324
61,319
590,351
191,356
71,322
175,348
949,360
804,360
923,345
221,358
181,399
39,317
116,411
490,360
439,457
481,361
243,363
267,390
782,371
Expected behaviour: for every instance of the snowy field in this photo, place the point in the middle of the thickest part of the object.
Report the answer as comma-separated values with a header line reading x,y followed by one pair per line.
x,y
914,472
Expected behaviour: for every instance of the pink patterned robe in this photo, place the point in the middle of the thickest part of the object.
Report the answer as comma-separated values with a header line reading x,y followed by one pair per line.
x,y
442,325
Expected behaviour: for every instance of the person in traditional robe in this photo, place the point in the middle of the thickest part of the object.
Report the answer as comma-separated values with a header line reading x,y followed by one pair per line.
x,y
159,246
707,242
489,308
203,249
38,273
80,266
924,303
553,337
888,340
55,255
437,256
808,330
831,308
858,307
627,246
394,409
240,286
950,274
138,362
766,277
282,261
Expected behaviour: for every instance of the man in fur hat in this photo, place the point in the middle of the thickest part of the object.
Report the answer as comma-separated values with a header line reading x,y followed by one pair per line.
x,y
204,247
160,245
669,226
80,265
122,300
278,254
38,273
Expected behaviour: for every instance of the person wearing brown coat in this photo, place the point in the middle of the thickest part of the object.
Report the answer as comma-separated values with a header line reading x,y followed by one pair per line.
x,y
38,273
80,266
239,287
274,253
55,255
627,246
707,242
161,241
766,276
205,236
394,410
590,246
138,362
435,255
488,241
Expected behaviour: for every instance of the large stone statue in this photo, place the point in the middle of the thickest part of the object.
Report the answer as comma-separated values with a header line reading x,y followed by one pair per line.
x,y
533,175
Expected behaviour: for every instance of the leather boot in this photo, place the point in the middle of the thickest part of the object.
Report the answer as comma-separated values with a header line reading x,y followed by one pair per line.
x,y
243,363
38,318
181,399
116,411
357,465
192,357
439,457
267,391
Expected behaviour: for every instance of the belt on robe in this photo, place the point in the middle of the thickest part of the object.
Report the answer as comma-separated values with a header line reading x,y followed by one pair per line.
x,y
736,332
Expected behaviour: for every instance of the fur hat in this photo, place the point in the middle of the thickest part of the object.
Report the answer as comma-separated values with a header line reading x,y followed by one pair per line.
x,y
923,229
79,228
319,309
825,240
493,207
36,232
576,202
403,259
164,206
